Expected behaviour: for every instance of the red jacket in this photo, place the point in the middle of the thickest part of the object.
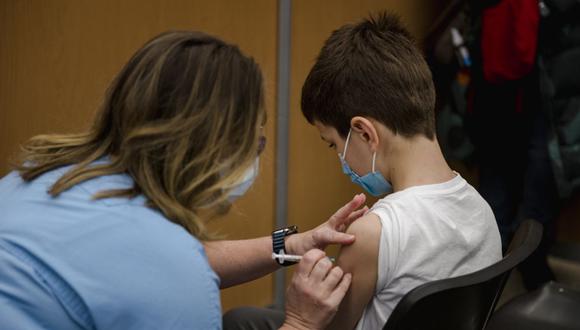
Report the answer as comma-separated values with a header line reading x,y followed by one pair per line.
x,y
509,39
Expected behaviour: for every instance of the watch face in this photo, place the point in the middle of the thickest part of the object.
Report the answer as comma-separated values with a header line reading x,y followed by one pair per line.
x,y
287,231
292,230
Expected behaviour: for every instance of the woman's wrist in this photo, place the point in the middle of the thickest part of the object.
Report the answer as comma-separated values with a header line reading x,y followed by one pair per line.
x,y
295,244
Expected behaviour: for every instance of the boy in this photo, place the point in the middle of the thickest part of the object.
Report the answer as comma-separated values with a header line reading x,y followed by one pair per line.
x,y
371,96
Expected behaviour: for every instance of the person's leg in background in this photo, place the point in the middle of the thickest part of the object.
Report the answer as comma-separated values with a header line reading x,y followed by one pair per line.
x,y
253,318
500,187
540,199
500,137
516,177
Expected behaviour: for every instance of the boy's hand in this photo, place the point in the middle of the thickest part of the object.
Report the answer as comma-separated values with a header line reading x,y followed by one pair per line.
x,y
330,232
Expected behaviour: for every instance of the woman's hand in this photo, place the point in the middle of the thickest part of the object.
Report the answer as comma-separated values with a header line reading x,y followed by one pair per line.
x,y
316,290
330,232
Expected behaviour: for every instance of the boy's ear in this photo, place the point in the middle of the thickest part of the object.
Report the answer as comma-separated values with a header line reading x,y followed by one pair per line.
x,y
365,129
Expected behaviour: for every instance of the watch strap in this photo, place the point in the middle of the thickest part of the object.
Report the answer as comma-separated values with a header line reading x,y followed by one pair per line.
x,y
279,244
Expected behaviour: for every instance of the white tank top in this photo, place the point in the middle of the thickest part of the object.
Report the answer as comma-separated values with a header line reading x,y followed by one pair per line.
x,y
429,233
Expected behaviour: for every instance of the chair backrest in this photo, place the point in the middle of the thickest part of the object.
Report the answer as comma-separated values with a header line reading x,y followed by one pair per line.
x,y
464,302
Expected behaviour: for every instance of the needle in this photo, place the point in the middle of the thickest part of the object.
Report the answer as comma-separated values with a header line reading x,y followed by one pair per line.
x,y
291,257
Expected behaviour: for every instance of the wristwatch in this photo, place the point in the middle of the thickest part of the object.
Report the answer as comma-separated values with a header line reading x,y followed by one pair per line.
x,y
278,244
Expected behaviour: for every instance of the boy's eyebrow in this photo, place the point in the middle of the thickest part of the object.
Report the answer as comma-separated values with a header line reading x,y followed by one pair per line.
x,y
323,139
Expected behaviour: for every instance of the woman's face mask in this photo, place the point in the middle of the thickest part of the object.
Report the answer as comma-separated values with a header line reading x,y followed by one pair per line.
x,y
251,174
249,177
374,182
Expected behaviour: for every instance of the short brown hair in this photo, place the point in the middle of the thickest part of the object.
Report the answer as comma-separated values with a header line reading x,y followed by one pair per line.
x,y
371,69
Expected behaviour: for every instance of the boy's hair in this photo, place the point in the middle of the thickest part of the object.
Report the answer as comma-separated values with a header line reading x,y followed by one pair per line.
x,y
371,69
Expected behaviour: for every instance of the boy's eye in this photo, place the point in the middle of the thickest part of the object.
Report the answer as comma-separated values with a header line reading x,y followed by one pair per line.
x,y
331,145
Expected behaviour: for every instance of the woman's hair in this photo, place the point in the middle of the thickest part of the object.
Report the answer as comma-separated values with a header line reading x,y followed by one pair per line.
x,y
182,118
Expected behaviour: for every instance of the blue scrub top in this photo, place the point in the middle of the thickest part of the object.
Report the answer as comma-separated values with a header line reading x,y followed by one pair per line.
x,y
72,262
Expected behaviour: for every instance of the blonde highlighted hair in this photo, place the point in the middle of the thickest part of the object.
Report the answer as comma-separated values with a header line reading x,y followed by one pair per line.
x,y
182,119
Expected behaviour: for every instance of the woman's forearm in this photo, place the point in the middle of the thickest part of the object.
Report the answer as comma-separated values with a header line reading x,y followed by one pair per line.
x,y
240,261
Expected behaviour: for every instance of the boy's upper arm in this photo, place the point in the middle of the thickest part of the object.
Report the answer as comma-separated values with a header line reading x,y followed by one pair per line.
x,y
361,260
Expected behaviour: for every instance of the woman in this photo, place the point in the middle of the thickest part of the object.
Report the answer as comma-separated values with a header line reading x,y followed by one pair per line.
x,y
103,229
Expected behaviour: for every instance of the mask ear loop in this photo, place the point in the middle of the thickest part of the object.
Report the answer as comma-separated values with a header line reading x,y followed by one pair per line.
x,y
374,158
346,145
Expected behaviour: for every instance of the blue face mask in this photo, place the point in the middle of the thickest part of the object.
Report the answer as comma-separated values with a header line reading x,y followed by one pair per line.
x,y
374,182
249,177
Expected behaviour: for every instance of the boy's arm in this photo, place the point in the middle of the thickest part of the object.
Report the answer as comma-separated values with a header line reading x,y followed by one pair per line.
x,y
361,260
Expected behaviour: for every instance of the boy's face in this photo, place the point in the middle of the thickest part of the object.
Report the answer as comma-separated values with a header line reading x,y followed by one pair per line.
x,y
358,155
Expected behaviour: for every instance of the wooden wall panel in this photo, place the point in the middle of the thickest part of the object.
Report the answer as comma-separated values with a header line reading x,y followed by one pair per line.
x,y
57,57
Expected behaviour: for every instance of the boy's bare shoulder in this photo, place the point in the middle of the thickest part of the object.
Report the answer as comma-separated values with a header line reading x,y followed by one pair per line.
x,y
369,224
367,231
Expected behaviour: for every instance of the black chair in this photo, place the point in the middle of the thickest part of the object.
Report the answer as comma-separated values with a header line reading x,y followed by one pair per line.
x,y
464,302
553,306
